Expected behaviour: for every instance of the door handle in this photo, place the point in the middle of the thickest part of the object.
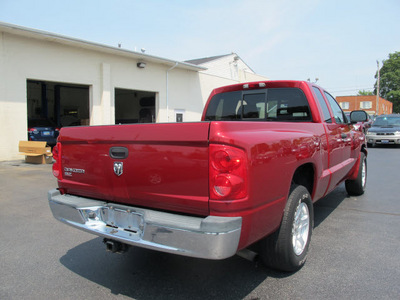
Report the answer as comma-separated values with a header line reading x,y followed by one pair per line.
x,y
119,152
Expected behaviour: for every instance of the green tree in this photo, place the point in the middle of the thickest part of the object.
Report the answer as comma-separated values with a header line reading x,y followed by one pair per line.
x,y
365,93
389,87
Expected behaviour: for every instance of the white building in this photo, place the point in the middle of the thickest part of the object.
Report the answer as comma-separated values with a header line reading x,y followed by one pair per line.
x,y
76,82
227,66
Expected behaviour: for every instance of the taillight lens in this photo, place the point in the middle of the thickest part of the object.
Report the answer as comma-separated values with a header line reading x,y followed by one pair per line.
x,y
228,173
33,130
57,170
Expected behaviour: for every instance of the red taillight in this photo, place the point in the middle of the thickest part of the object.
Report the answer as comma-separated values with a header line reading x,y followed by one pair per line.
x,y
57,170
228,173
225,160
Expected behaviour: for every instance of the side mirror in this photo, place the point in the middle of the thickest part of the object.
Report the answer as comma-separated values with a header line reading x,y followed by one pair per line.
x,y
358,116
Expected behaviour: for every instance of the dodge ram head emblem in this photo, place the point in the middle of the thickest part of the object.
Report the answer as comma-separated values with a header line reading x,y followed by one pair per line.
x,y
118,168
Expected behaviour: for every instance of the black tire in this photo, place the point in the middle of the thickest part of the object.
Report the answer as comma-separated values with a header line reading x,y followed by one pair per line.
x,y
357,187
278,250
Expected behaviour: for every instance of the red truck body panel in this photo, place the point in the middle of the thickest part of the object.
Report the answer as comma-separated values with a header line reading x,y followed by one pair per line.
x,y
270,151
167,165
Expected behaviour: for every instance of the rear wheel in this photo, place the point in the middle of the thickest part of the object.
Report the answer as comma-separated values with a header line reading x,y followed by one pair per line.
x,y
357,187
287,248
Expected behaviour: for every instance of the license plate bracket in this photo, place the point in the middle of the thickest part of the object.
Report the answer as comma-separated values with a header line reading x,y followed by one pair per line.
x,y
124,219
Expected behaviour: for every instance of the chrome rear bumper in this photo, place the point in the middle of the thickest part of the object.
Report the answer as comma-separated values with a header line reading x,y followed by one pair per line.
x,y
210,237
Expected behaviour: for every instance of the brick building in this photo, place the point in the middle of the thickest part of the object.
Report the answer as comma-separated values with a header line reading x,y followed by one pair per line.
x,y
367,103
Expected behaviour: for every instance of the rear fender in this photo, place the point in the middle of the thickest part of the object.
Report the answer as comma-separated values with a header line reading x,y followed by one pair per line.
x,y
354,172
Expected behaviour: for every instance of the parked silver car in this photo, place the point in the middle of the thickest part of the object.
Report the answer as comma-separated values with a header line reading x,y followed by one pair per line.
x,y
385,130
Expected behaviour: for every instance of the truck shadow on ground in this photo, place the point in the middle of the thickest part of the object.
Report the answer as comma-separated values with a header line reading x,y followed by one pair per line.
x,y
325,206
146,274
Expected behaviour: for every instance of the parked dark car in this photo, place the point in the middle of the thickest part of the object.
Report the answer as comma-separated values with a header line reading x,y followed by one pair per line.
x,y
385,130
42,130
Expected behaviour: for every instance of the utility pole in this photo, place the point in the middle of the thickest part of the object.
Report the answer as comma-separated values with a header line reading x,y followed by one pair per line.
x,y
377,91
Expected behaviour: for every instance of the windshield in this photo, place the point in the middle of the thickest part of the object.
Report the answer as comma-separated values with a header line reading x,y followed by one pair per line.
x,y
387,122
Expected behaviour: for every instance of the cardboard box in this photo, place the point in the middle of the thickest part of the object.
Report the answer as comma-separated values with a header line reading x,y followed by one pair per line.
x,y
36,152
41,159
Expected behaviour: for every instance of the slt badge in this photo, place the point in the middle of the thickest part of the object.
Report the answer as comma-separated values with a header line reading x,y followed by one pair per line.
x,y
118,168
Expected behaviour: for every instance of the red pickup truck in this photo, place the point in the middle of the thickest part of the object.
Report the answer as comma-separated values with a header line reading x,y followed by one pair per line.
x,y
248,172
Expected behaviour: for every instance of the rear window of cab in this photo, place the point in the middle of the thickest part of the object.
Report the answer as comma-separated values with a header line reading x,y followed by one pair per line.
x,y
274,104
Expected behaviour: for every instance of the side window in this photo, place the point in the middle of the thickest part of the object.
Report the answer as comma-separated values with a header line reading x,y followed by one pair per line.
x,y
324,106
337,111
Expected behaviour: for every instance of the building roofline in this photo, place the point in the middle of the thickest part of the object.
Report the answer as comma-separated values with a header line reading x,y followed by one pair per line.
x,y
204,60
66,40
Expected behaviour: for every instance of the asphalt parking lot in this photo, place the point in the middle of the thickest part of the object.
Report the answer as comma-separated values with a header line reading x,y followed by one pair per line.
x,y
354,252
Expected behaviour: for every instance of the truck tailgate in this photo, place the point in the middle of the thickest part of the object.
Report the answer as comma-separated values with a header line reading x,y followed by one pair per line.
x,y
161,166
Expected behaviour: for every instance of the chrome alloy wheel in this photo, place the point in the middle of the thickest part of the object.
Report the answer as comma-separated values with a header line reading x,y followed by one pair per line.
x,y
300,228
364,174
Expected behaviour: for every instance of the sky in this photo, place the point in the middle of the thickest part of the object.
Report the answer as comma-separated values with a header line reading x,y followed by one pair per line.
x,y
337,42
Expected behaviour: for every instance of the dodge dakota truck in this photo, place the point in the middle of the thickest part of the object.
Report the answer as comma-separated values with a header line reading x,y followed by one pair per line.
x,y
247,174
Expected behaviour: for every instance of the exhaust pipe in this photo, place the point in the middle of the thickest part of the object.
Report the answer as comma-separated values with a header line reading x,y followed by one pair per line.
x,y
115,247
248,254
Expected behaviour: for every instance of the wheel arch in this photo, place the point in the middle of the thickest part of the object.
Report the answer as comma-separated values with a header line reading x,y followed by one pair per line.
x,y
305,176
364,149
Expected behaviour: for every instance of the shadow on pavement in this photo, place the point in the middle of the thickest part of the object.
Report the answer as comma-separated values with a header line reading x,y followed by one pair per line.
x,y
325,206
147,274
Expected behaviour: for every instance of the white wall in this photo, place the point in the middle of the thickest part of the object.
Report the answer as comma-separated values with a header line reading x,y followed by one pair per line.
x,y
13,107
229,66
39,57
23,58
